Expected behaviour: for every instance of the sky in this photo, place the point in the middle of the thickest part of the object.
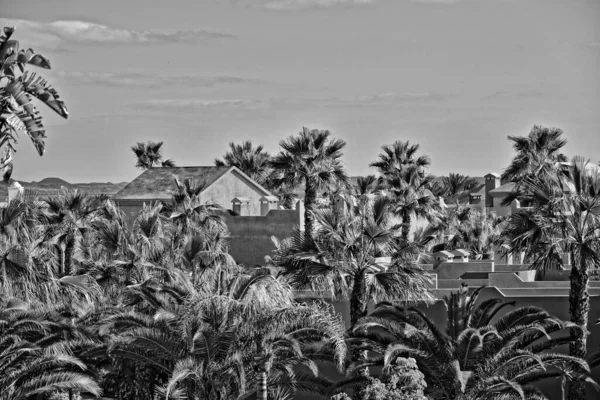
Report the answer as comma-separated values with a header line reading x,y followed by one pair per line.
x,y
456,77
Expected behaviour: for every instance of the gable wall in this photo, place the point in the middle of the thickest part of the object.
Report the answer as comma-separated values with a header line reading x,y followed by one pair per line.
x,y
232,185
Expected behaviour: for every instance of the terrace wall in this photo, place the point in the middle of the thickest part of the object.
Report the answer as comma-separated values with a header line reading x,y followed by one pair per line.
x,y
454,270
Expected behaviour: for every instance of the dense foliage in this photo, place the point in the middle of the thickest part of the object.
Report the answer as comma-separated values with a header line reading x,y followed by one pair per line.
x,y
94,303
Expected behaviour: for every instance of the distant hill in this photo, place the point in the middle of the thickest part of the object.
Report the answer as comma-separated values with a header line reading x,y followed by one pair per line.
x,y
52,184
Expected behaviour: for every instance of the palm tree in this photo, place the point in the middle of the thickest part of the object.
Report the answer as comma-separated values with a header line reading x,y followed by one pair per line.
x,y
66,219
537,153
18,112
34,359
311,158
286,338
482,354
412,199
344,258
149,155
454,185
472,229
188,212
563,222
253,161
398,159
211,347
365,186
403,176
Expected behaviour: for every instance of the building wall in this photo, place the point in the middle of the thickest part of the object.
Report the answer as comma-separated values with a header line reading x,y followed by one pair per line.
x,y
251,236
500,210
230,186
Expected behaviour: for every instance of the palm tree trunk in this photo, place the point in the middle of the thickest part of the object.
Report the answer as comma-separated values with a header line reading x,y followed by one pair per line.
x,y
261,371
310,198
68,256
358,306
406,221
62,263
261,384
579,307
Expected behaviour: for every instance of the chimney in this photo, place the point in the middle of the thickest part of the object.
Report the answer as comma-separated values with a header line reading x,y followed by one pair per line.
x,y
515,205
492,181
15,191
241,206
268,203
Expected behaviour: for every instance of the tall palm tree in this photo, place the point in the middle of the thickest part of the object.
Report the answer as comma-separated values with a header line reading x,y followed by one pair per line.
x,y
400,158
412,199
344,258
403,175
311,158
149,155
537,153
17,113
563,221
482,354
253,161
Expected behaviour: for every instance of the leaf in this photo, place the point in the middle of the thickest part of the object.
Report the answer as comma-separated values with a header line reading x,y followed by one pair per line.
x,y
8,31
40,61
15,123
8,48
7,173
39,88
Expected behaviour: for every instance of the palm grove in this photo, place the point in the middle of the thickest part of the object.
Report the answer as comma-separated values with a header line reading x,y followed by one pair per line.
x,y
158,309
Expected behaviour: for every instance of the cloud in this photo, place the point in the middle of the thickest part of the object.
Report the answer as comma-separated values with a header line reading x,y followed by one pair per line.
x,y
389,98
436,1
54,35
216,106
288,5
134,79
504,94
285,5
281,104
595,44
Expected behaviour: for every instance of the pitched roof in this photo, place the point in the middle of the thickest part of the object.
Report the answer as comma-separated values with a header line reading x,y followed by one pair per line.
x,y
157,183
443,253
504,189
